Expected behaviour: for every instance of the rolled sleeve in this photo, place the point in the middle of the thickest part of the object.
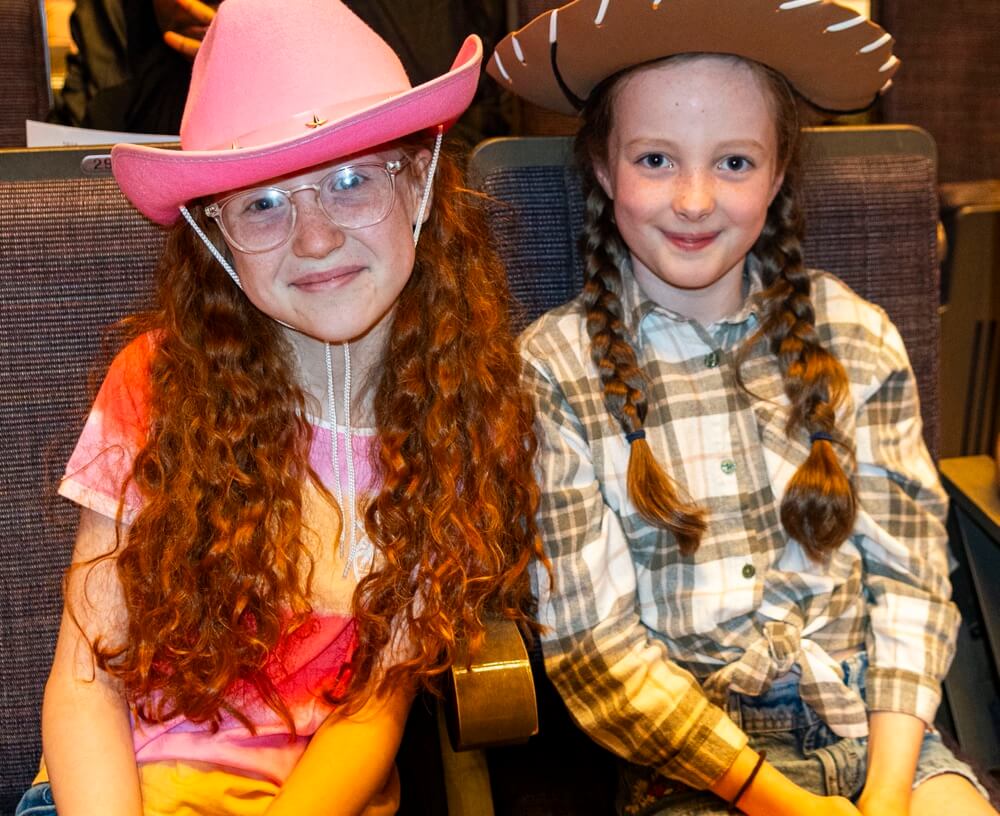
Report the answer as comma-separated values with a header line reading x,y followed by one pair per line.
x,y
903,542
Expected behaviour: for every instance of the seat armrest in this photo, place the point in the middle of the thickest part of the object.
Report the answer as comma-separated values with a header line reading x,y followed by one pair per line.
x,y
491,701
971,482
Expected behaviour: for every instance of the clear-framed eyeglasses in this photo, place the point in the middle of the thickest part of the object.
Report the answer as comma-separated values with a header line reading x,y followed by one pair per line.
x,y
352,196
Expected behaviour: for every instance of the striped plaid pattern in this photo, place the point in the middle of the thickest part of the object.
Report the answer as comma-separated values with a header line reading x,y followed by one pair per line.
x,y
644,642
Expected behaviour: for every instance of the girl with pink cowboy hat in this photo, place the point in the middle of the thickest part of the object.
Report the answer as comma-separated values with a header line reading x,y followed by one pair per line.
x,y
308,476
746,531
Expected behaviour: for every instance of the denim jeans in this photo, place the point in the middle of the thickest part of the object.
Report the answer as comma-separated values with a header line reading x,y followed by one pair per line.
x,y
798,743
37,801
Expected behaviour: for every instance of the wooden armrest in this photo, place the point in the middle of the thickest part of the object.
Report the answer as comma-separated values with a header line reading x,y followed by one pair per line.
x,y
971,483
492,701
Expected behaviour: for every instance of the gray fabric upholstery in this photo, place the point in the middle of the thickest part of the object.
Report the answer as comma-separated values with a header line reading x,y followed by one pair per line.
x,y
24,74
74,258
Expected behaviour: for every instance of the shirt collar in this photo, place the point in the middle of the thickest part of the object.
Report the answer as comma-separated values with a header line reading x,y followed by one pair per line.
x,y
637,304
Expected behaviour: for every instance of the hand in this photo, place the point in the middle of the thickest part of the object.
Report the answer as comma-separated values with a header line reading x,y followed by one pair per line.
x,y
183,23
874,802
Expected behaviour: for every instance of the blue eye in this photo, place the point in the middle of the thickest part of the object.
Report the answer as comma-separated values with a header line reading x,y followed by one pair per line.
x,y
262,201
654,161
736,164
344,179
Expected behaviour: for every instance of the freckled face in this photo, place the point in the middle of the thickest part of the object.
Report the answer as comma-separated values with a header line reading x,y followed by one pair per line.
x,y
692,167
331,283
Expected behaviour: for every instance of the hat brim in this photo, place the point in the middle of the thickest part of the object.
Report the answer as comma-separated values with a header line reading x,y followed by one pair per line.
x,y
836,59
159,181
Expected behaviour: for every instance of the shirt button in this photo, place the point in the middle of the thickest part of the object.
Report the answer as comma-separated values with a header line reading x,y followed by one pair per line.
x,y
749,571
712,360
728,467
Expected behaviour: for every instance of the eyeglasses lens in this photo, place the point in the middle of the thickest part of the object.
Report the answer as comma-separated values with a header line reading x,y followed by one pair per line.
x,y
352,197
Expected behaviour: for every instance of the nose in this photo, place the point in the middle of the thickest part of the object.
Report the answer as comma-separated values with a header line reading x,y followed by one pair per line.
x,y
315,235
694,196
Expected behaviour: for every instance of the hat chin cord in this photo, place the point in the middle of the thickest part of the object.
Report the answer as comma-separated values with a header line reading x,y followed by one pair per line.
x,y
211,247
359,551
428,186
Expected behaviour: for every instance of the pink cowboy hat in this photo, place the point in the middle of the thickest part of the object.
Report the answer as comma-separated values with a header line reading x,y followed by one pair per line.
x,y
279,87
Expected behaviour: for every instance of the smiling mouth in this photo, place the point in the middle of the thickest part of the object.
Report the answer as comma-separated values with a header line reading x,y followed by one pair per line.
x,y
691,242
327,278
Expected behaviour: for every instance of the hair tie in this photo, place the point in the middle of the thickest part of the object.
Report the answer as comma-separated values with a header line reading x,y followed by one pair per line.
x,y
747,782
813,437
634,435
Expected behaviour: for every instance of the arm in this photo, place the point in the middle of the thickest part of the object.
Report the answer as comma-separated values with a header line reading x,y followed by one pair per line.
x,y
618,681
903,544
348,766
893,748
773,794
86,733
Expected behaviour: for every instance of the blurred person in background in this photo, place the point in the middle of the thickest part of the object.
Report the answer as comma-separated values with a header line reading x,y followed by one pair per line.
x,y
133,63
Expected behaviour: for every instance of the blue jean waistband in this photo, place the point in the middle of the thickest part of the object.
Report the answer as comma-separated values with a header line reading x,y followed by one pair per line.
x,y
781,708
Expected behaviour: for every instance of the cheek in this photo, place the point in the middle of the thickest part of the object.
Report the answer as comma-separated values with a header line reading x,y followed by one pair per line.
x,y
638,206
253,271
748,207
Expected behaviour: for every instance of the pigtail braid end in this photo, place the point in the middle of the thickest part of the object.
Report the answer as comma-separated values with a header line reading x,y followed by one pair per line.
x,y
653,492
656,498
820,502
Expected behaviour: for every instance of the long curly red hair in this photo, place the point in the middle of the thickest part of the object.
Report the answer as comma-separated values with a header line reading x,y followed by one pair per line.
x,y
214,569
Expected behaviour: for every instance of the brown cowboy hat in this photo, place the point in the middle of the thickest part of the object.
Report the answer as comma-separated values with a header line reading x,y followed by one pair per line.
x,y
837,59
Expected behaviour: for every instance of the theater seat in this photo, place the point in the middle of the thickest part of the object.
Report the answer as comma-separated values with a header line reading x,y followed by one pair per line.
x,y
74,258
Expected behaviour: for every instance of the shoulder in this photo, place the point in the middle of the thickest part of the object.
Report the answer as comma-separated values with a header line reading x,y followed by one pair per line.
x,y
132,363
125,391
558,340
844,309
850,323
115,430
860,335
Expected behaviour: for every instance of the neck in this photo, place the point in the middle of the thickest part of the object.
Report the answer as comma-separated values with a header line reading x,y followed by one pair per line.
x,y
705,304
366,352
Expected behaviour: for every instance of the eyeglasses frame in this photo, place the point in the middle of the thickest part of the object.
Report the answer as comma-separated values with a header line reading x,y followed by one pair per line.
x,y
392,168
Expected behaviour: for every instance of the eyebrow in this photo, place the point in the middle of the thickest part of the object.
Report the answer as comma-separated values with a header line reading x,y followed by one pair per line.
x,y
733,144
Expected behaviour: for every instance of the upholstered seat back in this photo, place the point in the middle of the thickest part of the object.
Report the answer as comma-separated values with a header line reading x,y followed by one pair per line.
x,y
74,259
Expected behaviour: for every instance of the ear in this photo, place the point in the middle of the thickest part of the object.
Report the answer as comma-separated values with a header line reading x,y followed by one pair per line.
x,y
420,163
779,179
603,176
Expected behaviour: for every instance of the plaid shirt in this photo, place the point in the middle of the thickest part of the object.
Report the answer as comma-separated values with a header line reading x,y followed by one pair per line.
x,y
644,642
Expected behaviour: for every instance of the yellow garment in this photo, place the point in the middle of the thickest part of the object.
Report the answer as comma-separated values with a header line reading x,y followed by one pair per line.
x,y
172,788
198,789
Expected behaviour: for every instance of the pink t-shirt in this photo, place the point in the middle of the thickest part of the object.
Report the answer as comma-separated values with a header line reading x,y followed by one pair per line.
x,y
305,663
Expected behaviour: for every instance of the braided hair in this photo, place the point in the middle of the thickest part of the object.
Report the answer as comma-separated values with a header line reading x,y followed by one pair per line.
x,y
654,493
820,503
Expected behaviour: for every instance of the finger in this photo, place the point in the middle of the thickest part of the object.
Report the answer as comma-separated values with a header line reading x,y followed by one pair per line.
x,y
188,46
201,12
194,32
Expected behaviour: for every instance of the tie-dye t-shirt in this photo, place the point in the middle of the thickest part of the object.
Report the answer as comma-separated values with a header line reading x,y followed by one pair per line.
x,y
184,766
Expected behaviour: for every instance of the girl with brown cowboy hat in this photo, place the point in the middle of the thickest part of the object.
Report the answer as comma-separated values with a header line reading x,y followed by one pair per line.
x,y
745,527
308,477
